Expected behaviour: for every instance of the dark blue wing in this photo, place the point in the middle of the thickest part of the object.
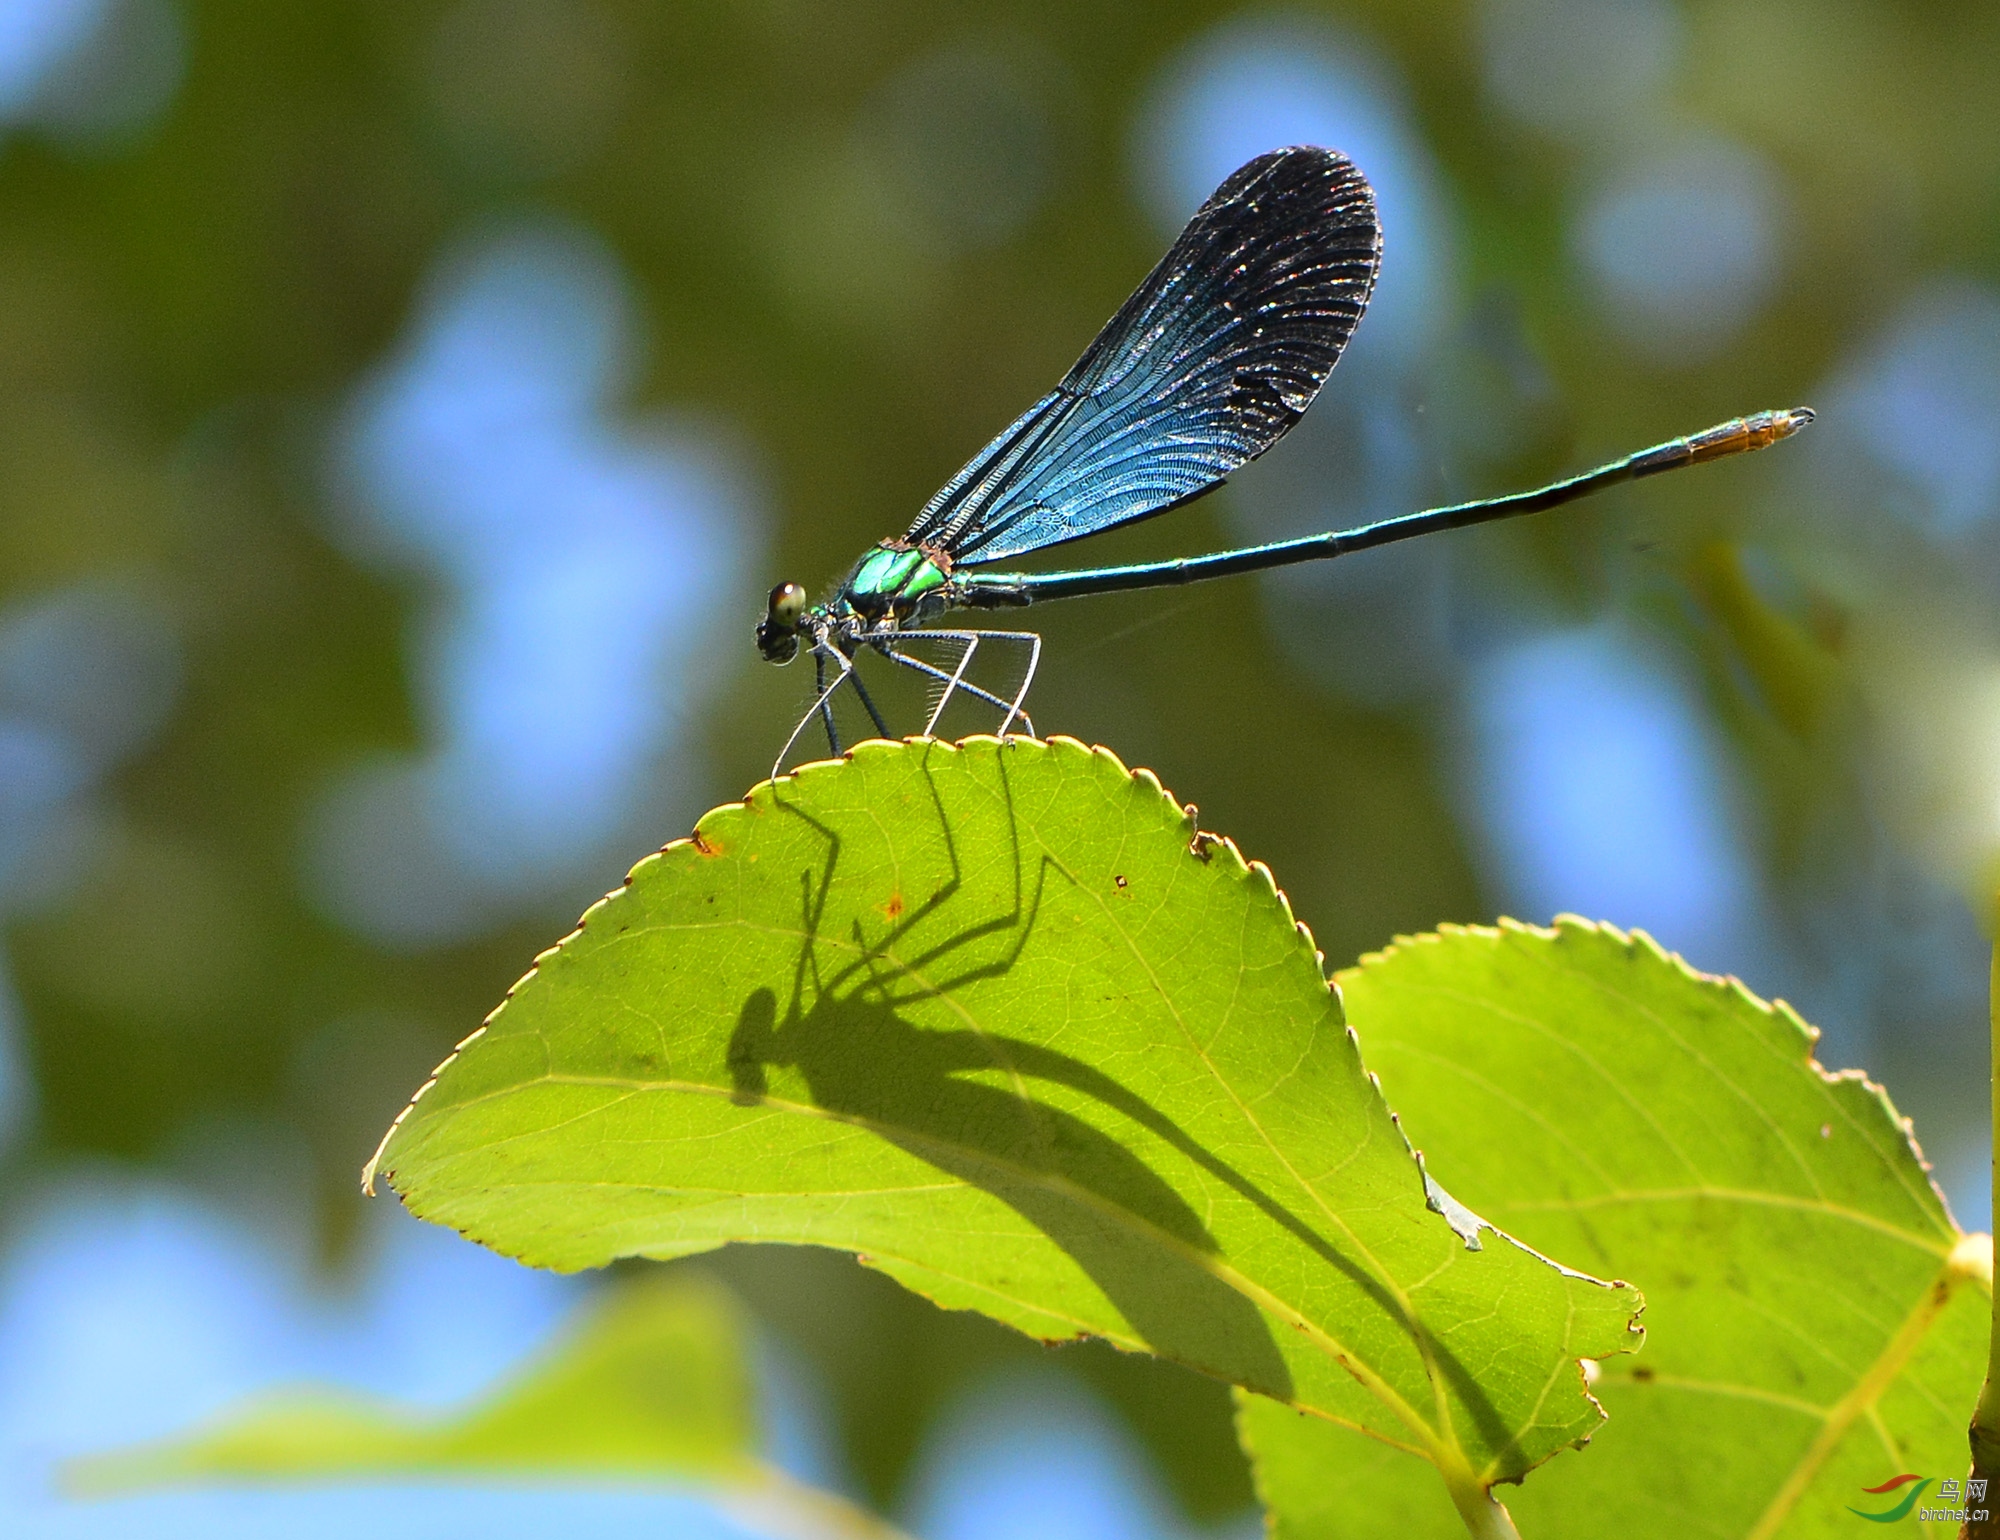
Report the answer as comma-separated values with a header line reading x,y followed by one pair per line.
x,y
1220,350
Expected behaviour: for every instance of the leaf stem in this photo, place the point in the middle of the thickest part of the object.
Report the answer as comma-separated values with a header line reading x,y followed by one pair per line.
x,y
1485,1516
773,1503
1984,1434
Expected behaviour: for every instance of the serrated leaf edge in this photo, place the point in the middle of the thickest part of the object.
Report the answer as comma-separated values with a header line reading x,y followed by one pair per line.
x,y
1205,847
1968,1260
1898,1125
750,802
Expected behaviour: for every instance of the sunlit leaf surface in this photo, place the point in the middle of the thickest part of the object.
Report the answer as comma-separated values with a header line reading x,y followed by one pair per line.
x,y
996,1018
1816,1323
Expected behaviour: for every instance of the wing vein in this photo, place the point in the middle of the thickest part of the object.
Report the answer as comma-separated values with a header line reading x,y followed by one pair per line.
x,y
1206,365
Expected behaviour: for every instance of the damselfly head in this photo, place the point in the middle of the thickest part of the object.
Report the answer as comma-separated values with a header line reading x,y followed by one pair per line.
x,y
778,631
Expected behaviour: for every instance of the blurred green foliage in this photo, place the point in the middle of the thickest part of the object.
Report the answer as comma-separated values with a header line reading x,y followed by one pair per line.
x,y
653,1383
182,315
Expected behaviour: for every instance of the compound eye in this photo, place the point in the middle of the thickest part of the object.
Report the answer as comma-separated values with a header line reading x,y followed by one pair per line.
x,y
788,604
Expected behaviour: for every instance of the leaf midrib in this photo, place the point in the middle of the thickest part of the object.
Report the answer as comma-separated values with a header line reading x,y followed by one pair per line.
x,y
1614,1192
1053,1183
1862,1398
1412,1320
1747,1196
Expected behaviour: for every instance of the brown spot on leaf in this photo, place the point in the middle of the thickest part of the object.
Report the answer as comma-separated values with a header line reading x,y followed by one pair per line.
x,y
1642,1373
894,907
1119,880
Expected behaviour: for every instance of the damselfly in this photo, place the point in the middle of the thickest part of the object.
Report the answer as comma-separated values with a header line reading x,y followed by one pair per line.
x,y
1216,355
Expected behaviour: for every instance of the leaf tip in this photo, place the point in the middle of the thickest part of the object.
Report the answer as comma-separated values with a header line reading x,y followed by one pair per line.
x,y
374,1167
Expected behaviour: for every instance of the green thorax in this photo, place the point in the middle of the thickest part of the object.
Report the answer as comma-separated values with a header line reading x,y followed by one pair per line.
x,y
894,580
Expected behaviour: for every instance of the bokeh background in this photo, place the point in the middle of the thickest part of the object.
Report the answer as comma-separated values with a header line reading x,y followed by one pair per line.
x,y
403,404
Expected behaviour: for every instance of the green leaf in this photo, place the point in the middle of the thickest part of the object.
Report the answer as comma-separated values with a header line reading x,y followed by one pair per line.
x,y
653,1386
999,1020
1816,1323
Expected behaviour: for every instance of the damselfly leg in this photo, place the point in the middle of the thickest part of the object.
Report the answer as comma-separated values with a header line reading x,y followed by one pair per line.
x,y
825,697
955,680
822,706
868,705
1208,364
886,646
